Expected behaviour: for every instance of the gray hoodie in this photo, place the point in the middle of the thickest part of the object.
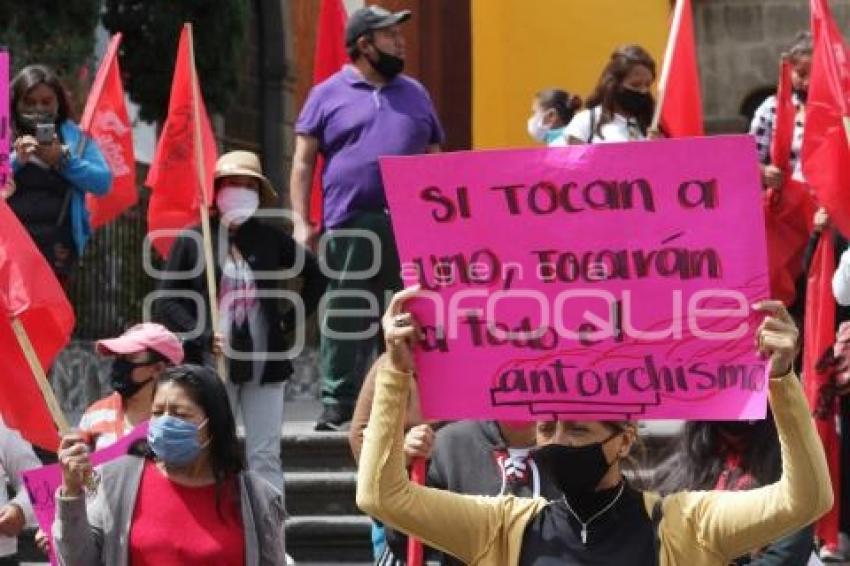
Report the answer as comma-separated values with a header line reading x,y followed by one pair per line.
x,y
471,457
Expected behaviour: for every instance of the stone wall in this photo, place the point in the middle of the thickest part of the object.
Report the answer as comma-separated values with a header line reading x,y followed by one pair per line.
x,y
738,45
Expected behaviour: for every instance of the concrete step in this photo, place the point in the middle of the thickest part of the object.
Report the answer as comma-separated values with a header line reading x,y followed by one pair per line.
x,y
328,538
321,493
304,449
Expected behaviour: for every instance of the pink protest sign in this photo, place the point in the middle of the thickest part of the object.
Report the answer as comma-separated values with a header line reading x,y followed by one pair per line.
x,y
41,483
589,282
5,122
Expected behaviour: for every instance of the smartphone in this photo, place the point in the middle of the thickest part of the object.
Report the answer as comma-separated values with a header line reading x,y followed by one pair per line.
x,y
44,133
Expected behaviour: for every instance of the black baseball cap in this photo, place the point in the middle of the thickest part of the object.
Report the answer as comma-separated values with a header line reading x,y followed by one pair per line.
x,y
371,18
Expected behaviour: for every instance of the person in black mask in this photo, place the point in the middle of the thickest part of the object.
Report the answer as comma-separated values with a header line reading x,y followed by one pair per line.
x,y
620,108
139,356
366,110
375,35
600,518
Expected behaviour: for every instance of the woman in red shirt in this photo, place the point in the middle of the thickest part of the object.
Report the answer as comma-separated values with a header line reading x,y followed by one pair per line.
x,y
186,500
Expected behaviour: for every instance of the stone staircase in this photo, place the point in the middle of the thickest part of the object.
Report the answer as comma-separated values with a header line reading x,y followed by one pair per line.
x,y
324,525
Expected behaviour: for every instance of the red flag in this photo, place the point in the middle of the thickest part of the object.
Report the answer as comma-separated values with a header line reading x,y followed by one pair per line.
x,y
175,202
819,336
788,213
29,292
330,57
105,119
783,126
681,102
825,154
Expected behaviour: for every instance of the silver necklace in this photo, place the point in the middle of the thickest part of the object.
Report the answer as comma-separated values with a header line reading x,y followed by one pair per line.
x,y
585,524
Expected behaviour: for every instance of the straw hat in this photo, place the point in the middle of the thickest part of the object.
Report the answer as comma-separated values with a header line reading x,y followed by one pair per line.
x,y
246,163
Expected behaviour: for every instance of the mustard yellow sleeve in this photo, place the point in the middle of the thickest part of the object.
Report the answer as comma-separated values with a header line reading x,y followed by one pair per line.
x,y
462,525
730,524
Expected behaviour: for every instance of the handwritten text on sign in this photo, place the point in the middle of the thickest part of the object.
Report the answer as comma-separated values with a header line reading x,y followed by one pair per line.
x,y
605,282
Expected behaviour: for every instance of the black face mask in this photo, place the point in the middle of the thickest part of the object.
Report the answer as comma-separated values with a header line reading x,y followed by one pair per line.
x,y
388,66
575,470
27,122
802,94
121,380
634,102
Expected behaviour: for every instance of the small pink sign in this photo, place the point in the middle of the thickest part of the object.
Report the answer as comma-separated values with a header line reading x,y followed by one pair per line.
x,y
41,483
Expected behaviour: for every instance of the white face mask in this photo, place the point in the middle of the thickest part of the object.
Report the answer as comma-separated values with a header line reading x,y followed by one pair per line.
x,y
536,129
237,204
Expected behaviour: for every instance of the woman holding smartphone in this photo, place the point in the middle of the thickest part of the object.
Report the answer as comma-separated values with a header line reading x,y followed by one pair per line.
x,y
55,164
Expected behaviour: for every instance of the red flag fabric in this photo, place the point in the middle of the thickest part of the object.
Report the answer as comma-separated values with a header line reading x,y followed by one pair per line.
x,y
30,292
175,201
788,213
825,154
819,336
681,111
330,57
783,126
105,119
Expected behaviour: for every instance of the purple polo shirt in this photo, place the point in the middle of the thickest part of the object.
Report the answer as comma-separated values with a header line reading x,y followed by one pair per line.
x,y
355,123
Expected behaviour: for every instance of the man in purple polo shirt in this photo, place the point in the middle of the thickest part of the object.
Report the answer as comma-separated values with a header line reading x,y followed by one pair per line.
x,y
366,110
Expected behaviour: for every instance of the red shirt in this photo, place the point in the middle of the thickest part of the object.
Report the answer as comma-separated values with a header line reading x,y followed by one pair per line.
x,y
175,525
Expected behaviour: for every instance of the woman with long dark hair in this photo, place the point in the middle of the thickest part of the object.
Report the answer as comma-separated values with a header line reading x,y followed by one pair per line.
x,y
620,108
55,164
734,456
600,518
186,500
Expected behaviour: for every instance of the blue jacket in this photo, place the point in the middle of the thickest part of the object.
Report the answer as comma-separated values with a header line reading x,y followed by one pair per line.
x,y
87,173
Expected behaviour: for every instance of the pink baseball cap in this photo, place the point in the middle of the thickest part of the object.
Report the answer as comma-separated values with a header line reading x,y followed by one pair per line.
x,y
141,337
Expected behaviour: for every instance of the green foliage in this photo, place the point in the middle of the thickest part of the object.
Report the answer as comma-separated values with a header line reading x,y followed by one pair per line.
x,y
57,34
151,30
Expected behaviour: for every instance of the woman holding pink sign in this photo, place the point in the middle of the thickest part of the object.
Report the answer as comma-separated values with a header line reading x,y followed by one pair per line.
x,y
188,499
600,518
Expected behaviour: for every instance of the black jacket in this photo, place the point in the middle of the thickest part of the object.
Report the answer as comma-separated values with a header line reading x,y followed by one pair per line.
x,y
264,248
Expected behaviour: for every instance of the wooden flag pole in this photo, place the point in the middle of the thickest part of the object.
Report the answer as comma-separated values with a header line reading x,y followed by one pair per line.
x,y
40,377
665,66
846,121
205,214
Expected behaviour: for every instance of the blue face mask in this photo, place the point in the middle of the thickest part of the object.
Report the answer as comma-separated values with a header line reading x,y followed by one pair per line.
x,y
553,135
174,440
